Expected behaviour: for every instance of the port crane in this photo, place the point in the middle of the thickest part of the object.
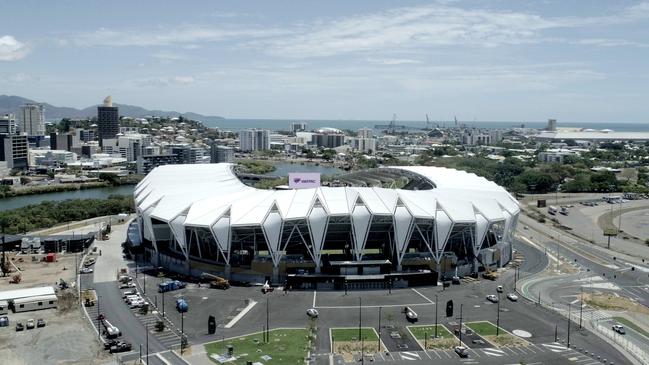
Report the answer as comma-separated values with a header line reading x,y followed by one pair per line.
x,y
390,128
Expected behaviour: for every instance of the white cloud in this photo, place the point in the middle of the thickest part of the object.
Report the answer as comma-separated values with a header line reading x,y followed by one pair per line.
x,y
393,61
11,49
163,81
187,34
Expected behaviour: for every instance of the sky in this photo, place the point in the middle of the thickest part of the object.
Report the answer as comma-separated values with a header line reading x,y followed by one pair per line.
x,y
517,60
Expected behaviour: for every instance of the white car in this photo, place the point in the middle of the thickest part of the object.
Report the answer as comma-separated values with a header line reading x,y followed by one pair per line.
x,y
619,329
513,297
127,286
85,270
129,292
492,298
312,312
461,351
499,289
132,298
137,303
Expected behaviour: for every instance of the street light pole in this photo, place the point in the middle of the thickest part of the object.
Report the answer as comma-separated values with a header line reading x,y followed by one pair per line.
x,y
436,302
147,343
569,320
498,317
460,331
98,318
581,306
360,317
267,319
379,344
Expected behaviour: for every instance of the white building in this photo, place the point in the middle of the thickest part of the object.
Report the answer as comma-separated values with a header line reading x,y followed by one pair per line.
x,y
365,133
254,140
8,124
32,119
555,155
364,145
51,157
298,127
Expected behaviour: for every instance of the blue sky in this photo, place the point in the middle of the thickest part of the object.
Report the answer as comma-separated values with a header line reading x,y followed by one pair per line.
x,y
581,61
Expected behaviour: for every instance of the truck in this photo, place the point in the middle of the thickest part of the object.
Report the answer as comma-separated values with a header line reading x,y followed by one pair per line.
x,y
181,305
109,330
216,282
552,210
88,297
171,285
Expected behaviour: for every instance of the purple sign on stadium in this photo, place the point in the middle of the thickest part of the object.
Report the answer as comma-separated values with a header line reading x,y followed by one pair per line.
x,y
303,180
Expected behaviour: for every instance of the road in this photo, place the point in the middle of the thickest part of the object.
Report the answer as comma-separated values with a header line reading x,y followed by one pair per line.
x,y
110,303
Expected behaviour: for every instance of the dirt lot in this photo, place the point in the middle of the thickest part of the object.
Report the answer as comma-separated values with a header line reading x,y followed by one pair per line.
x,y
39,273
67,338
614,303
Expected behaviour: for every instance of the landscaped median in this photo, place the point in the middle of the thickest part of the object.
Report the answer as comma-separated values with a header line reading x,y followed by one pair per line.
x,y
345,341
286,346
487,330
425,335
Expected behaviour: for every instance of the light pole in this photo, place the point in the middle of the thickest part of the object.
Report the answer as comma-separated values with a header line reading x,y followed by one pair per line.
x,y
379,344
163,304
581,305
147,343
569,320
460,331
436,301
267,319
98,318
360,317
498,316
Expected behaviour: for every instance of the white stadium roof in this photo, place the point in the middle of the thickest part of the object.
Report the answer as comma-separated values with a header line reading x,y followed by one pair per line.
x,y
202,193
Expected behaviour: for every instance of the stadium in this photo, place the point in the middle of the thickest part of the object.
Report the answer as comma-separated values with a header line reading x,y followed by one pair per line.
x,y
399,225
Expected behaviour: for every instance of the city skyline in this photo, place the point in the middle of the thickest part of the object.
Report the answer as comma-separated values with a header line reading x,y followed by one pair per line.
x,y
363,60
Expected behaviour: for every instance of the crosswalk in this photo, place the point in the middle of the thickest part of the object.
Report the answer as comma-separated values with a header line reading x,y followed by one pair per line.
x,y
410,355
556,347
168,338
493,352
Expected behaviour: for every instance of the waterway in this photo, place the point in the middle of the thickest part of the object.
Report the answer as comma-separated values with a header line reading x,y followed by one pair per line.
x,y
281,169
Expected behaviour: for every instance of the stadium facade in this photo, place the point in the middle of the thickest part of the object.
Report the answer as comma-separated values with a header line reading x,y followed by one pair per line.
x,y
202,218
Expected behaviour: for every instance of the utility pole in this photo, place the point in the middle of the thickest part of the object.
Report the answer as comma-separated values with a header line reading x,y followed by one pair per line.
x,y
182,331
569,320
498,317
267,320
147,343
436,302
581,306
163,304
460,332
360,317
144,286
379,345
556,333
98,319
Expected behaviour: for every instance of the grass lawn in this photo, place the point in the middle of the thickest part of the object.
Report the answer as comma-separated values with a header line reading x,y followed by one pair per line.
x,y
286,346
351,334
631,325
420,331
483,328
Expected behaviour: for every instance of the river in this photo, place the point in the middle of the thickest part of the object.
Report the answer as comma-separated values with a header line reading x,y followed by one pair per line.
x,y
281,169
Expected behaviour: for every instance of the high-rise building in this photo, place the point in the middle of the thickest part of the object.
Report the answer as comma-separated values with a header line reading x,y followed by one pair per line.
x,y
254,140
32,119
552,125
220,154
365,133
8,124
61,141
107,119
298,127
14,150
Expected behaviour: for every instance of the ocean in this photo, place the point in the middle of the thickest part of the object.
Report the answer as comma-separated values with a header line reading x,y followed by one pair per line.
x,y
285,124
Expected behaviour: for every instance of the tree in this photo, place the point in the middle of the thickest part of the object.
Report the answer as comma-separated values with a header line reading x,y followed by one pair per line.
x,y
537,181
328,154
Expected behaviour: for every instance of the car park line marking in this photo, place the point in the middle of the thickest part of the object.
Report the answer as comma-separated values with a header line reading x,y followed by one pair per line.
x,y
474,351
426,352
162,359
423,296
406,355
555,347
435,352
241,314
493,352
582,360
373,306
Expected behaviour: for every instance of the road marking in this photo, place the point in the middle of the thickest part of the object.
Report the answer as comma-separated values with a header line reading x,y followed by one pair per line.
x,y
407,355
314,294
373,306
241,314
475,352
555,347
435,352
493,352
162,359
423,296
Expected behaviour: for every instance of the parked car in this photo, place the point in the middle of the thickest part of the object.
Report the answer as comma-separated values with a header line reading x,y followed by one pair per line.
x,y
492,298
30,324
19,327
110,343
137,303
456,280
85,270
120,347
40,323
129,292
499,289
312,312
126,285
4,321
619,329
513,297
461,351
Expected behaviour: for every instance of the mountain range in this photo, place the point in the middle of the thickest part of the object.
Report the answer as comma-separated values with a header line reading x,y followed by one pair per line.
x,y
10,104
